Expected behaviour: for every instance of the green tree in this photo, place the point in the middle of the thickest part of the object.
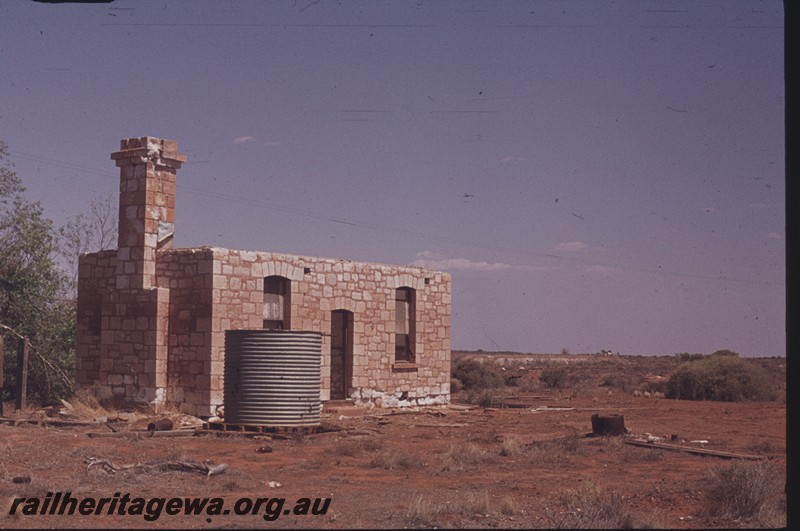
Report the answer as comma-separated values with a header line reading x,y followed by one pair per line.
x,y
32,289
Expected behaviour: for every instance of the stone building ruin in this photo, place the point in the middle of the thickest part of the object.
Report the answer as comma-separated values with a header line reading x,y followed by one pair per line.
x,y
152,318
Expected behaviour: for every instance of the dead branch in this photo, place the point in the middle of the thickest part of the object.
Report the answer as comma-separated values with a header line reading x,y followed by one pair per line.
x,y
106,464
206,467
47,363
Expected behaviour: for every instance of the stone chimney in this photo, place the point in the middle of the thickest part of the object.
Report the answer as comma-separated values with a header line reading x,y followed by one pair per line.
x,y
146,207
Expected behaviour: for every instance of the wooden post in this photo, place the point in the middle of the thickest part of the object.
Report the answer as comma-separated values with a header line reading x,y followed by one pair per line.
x,y
22,373
2,337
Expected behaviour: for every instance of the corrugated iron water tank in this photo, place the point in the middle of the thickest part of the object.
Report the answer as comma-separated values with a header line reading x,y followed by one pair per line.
x,y
272,377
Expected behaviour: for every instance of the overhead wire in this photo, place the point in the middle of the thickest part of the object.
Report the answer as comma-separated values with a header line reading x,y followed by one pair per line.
x,y
397,230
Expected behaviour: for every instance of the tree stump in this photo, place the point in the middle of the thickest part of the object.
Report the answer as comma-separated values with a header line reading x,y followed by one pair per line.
x,y
608,424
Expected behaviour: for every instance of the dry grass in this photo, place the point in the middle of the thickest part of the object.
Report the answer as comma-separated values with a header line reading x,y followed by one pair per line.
x,y
620,380
86,404
394,459
424,512
344,447
91,450
467,510
616,447
482,438
746,490
507,506
476,503
631,454
764,447
175,451
570,444
5,452
592,508
511,447
556,451
465,456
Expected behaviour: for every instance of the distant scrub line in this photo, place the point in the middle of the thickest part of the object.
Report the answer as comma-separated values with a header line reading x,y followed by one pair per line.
x,y
720,376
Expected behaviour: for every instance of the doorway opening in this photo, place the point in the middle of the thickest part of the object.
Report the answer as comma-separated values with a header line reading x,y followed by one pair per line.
x,y
341,354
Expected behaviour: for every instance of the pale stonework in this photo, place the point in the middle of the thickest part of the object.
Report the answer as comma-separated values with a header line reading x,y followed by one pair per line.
x,y
152,319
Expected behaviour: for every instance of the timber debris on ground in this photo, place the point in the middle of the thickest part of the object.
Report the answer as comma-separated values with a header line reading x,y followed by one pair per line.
x,y
206,467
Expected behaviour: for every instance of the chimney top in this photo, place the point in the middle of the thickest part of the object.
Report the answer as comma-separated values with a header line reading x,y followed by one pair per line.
x,y
149,148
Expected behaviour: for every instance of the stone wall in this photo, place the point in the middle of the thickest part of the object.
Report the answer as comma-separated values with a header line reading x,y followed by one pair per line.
x,y
121,333
129,351
96,281
320,286
187,276
152,319
168,343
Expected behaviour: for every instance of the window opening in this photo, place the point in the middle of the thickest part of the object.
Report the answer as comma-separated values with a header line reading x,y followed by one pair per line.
x,y
277,301
405,325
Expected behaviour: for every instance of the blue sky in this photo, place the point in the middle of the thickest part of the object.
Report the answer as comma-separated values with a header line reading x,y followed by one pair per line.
x,y
593,174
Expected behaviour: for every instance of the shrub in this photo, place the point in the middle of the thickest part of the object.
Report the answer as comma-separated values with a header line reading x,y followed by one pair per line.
x,y
478,376
685,356
725,352
742,489
486,399
659,386
764,447
554,378
722,377
620,380
455,385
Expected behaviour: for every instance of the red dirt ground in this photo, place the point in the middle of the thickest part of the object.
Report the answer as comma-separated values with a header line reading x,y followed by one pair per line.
x,y
434,468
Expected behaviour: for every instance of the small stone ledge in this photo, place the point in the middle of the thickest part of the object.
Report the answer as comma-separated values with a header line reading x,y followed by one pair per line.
x,y
404,366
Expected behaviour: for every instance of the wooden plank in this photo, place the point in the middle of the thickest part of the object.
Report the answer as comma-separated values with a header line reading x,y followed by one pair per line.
x,y
249,434
139,434
511,405
2,343
22,374
697,451
443,425
48,422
